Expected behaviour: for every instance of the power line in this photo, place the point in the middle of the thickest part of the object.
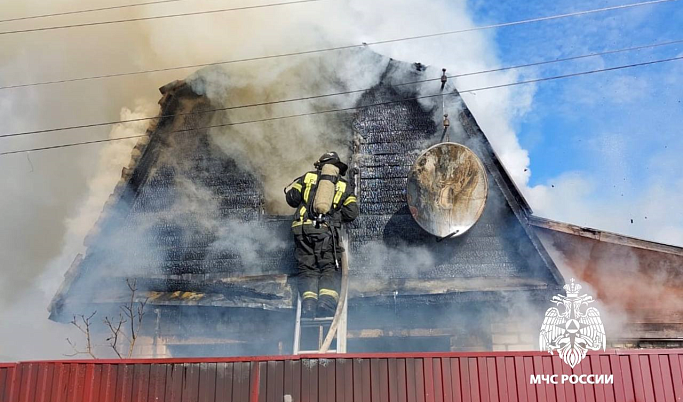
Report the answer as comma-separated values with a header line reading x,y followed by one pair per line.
x,y
358,107
158,17
72,144
312,97
329,49
89,10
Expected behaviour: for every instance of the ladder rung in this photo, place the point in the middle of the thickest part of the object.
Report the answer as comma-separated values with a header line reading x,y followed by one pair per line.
x,y
311,323
310,352
316,319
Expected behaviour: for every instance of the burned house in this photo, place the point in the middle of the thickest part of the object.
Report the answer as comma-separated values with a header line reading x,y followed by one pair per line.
x,y
191,225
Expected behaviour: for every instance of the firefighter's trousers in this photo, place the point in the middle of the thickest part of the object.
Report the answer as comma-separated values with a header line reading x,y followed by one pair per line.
x,y
318,276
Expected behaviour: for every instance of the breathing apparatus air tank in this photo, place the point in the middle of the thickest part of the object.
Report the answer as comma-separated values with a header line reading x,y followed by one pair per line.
x,y
324,195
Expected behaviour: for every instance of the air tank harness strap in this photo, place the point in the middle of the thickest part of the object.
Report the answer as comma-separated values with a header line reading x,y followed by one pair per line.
x,y
333,179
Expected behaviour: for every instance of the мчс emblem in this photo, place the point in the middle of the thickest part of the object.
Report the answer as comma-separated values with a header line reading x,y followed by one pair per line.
x,y
575,330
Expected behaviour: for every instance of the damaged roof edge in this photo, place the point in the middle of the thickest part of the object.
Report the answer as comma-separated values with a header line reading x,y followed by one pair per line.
x,y
126,174
604,236
511,192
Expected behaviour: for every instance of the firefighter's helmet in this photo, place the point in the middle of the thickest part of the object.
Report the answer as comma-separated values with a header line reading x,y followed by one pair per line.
x,y
332,158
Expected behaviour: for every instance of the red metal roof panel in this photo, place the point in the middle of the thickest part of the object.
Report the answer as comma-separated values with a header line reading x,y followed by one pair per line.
x,y
645,375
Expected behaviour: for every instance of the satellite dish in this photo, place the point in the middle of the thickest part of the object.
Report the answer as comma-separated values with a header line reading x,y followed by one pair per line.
x,y
447,189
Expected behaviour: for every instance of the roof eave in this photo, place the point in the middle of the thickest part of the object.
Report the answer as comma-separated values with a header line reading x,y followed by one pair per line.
x,y
604,236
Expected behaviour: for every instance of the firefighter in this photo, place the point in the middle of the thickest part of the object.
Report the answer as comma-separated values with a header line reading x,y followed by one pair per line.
x,y
323,200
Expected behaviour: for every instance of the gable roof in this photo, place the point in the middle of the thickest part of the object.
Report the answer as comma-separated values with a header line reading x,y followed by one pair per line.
x,y
639,281
175,244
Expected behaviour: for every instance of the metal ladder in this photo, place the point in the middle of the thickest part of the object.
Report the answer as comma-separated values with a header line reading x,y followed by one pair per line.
x,y
321,324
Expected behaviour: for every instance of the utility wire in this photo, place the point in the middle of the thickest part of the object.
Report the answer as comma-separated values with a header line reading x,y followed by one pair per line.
x,y
89,10
158,17
312,97
72,144
330,49
357,107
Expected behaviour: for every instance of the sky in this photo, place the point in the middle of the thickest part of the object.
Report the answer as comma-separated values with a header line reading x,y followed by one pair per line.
x,y
598,150
604,148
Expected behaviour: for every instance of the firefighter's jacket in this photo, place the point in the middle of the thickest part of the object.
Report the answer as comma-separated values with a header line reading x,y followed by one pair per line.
x,y
302,193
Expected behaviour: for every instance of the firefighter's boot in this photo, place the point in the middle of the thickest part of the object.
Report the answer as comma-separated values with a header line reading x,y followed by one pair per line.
x,y
308,307
327,306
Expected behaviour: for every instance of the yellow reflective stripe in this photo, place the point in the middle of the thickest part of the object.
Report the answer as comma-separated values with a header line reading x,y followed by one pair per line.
x,y
302,212
349,200
331,293
310,179
297,186
299,223
341,187
310,295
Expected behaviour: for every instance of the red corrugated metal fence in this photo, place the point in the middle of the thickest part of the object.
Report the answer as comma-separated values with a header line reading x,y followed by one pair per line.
x,y
645,375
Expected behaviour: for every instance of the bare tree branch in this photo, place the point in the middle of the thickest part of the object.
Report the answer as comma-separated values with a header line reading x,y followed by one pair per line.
x,y
127,327
84,327
115,331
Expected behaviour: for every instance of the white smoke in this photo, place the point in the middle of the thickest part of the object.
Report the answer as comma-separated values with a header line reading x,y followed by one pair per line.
x,y
56,199
26,331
